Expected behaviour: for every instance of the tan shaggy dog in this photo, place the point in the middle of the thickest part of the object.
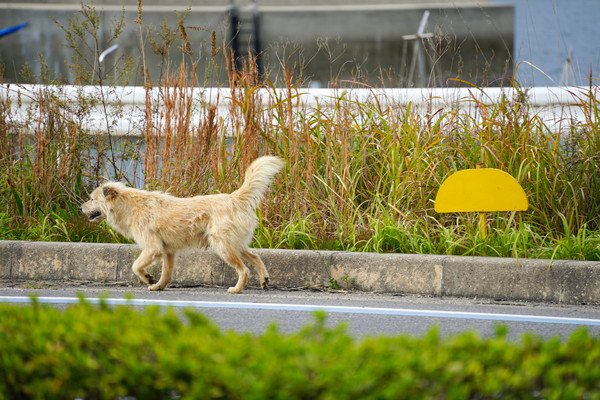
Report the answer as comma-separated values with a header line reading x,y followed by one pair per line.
x,y
162,224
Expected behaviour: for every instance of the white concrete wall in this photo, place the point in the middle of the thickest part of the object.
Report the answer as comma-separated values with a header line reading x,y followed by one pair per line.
x,y
557,106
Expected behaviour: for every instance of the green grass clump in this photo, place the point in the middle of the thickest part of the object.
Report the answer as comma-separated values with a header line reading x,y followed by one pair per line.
x,y
87,351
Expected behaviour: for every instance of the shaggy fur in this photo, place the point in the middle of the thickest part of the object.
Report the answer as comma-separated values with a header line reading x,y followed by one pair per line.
x,y
162,224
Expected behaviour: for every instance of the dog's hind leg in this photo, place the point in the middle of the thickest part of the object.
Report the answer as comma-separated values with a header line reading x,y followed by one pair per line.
x,y
232,257
139,266
243,273
166,273
258,266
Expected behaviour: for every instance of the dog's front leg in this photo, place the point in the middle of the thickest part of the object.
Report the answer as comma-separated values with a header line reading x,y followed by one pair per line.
x,y
139,266
166,273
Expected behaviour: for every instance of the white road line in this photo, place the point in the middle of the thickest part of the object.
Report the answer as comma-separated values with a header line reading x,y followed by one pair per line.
x,y
406,312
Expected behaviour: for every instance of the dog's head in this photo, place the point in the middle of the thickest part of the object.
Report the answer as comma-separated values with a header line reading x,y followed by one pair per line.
x,y
99,204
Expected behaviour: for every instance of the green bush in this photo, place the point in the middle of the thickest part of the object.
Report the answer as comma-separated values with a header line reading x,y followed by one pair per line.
x,y
91,352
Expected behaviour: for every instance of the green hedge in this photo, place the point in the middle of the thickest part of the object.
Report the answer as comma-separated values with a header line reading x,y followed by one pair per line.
x,y
102,352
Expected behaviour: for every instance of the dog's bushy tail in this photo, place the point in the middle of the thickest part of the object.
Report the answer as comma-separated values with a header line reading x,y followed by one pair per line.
x,y
257,180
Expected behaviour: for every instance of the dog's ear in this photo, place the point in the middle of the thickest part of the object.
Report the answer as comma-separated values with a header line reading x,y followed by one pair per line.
x,y
109,192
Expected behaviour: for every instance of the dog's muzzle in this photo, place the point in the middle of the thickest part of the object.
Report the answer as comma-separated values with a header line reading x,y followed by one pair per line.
x,y
94,216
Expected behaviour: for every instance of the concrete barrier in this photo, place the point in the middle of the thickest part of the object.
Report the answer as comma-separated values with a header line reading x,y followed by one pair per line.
x,y
559,107
560,281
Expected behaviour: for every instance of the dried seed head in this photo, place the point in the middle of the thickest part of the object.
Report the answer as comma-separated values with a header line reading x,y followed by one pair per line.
x,y
187,48
139,13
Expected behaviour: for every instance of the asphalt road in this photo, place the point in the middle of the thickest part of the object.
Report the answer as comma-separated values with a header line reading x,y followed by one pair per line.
x,y
364,314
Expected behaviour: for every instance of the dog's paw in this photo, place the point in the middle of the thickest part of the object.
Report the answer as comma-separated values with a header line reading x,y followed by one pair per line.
x,y
234,290
265,283
155,287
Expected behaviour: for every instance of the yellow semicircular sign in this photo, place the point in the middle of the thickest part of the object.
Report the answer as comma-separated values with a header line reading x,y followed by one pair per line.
x,y
480,190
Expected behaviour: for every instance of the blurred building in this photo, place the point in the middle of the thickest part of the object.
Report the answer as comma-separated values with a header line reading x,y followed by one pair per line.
x,y
393,43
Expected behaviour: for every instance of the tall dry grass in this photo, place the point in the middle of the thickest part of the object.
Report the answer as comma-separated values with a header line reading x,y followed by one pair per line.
x,y
43,164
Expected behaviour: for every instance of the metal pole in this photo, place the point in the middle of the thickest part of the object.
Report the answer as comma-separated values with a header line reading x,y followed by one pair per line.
x,y
234,31
258,43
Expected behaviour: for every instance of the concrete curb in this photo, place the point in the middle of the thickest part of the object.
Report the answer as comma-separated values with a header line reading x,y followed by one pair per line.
x,y
570,282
